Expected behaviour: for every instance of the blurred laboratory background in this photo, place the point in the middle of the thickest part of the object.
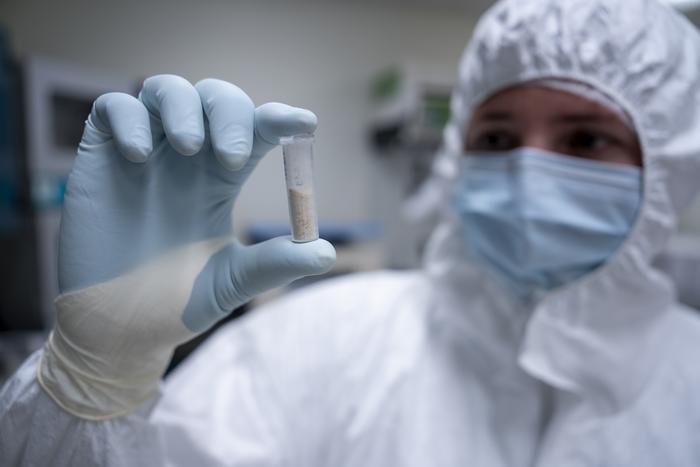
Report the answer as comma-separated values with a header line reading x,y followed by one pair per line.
x,y
378,74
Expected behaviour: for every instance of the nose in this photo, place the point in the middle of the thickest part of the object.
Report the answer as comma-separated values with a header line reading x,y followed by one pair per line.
x,y
538,138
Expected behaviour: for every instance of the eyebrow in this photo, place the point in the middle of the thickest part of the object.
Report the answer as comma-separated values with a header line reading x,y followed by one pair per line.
x,y
583,118
496,116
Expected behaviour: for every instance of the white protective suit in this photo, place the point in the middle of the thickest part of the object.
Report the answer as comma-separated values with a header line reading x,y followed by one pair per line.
x,y
440,367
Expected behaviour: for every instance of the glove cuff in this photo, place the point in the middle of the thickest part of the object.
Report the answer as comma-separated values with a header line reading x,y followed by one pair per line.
x,y
112,341
79,390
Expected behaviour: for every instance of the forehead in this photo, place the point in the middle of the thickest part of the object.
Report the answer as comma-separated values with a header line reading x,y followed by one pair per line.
x,y
532,101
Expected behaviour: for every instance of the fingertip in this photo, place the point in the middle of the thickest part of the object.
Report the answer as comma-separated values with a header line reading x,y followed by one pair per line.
x,y
308,121
135,157
230,113
176,102
136,154
316,257
326,255
140,145
232,161
232,144
124,118
186,142
274,120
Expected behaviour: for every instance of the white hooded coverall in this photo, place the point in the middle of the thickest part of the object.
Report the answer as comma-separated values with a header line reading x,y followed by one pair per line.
x,y
440,367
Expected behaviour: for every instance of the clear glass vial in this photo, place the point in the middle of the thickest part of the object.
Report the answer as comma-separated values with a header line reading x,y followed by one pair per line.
x,y
298,172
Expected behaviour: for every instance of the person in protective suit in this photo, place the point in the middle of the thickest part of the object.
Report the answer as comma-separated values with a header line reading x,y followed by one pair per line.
x,y
537,334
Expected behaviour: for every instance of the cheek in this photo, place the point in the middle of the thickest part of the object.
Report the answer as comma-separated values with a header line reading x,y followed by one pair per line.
x,y
628,151
622,155
631,153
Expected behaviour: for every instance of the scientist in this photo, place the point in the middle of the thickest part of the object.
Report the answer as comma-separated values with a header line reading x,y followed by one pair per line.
x,y
538,333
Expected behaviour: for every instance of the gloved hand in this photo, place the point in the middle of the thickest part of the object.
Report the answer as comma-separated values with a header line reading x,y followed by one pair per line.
x,y
147,257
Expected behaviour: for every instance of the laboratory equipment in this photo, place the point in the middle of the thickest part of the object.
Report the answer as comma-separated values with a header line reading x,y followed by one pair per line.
x,y
298,171
410,109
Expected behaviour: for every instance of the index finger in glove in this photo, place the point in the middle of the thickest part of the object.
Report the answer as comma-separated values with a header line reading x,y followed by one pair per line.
x,y
121,117
275,120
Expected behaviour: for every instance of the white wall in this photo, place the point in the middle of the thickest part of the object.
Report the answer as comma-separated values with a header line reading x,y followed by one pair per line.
x,y
316,55
690,222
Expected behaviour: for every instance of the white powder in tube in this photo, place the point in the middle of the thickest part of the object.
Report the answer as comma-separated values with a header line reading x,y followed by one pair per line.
x,y
303,216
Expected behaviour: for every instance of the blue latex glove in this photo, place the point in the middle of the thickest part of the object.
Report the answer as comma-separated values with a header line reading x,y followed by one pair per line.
x,y
164,170
147,256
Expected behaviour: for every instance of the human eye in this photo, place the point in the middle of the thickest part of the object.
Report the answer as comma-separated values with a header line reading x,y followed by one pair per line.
x,y
590,143
599,144
494,140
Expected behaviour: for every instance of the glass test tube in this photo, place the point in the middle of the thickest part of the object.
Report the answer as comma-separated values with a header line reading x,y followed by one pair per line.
x,y
298,173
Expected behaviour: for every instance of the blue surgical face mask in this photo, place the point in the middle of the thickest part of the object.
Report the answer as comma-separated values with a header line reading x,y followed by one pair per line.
x,y
540,220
